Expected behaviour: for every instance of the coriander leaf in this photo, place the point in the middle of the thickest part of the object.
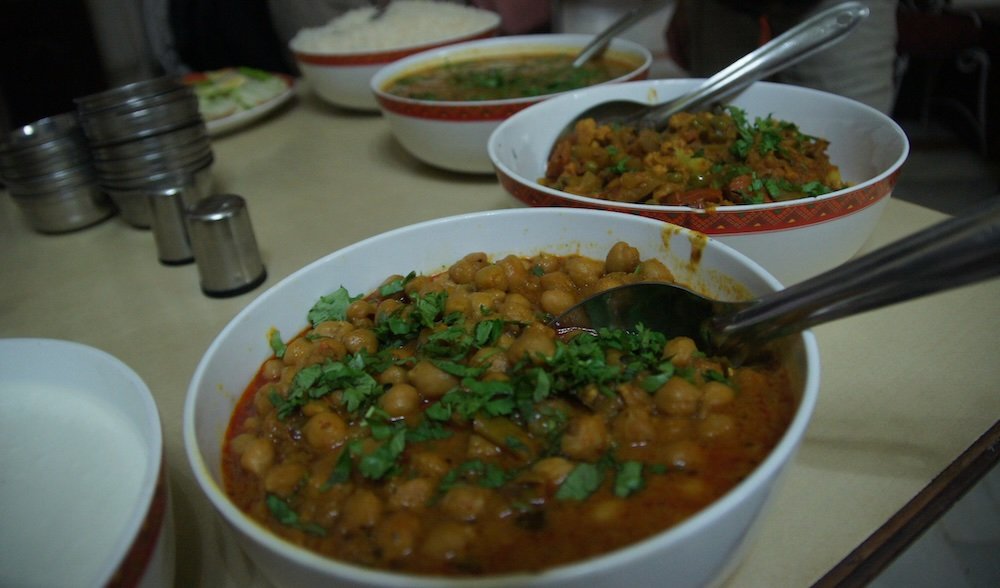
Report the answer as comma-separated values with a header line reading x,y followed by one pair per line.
x,y
276,344
629,479
285,515
382,460
582,481
332,307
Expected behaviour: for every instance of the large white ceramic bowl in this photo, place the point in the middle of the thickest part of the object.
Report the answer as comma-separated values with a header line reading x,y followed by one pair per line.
x,y
452,135
700,550
793,239
343,77
84,490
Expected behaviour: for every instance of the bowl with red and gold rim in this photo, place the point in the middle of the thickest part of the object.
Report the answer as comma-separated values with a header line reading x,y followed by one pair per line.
x,y
339,58
443,104
793,177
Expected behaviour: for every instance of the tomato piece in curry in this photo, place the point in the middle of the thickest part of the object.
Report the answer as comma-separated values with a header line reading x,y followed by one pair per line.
x,y
438,426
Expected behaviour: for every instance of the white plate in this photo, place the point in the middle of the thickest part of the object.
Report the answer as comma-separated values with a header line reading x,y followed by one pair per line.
x,y
243,118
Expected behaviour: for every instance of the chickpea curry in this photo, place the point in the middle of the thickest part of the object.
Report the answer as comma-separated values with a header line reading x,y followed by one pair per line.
x,y
438,426
506,77
701,160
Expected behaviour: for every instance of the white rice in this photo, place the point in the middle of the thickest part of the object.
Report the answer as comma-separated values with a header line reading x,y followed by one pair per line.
x,y
405,23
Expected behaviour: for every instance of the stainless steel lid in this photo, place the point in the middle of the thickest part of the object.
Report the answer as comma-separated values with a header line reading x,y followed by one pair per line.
x,y
224,246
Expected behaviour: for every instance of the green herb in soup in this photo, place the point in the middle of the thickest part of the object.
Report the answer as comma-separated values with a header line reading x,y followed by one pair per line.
x,y
499,78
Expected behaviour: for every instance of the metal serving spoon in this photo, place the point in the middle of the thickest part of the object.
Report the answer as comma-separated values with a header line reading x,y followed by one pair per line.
x,y
959,251
600,42
809,37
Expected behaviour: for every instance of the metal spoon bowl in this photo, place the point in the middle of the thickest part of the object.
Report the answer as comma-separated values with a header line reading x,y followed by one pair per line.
x,y
601,40
809,37
956,252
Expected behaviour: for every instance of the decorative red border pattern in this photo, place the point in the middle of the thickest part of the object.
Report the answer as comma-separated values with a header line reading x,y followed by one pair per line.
x,y
131,570
468,111
384,56
721,221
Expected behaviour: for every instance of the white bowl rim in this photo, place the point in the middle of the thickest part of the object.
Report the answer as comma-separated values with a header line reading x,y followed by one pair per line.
x,y
424,46
151,478
777,458
539,40
664,208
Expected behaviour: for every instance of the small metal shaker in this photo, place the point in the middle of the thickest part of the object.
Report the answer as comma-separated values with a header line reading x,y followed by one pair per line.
x,y
224,246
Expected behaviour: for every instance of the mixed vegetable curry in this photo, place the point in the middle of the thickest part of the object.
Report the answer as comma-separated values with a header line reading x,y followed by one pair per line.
x,y
438,426
701,159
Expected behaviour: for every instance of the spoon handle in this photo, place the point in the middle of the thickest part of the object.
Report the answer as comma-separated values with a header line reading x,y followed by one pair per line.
x,y
956,252
600,42
811,36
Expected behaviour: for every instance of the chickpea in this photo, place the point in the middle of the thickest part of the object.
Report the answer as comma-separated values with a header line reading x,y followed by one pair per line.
x,y
586,438
634,426
447,540
622,257
457,301
536,343
262,399
679,350
516,311
583,270
479,448
238,444
431,381
314,407
546,262
677,397
491,277
557,301
464,270
329,348
258,455
608,282
552,470
483,303
558,281
394,374
333,329
361,509
361,339
491,358
466,503
387,308
415,493
360,310
272,369
284,478
684,455
716,394
400,400
653,270
714,426
607,511
325,430
297,351
396,536
429,464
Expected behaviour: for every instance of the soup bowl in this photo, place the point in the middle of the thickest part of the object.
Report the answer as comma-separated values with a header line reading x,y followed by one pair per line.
x,y
792,239
701,549
85,492
453,134
339,59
